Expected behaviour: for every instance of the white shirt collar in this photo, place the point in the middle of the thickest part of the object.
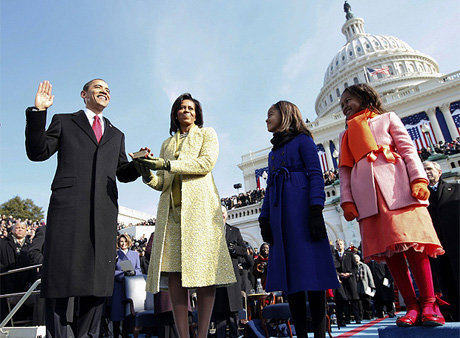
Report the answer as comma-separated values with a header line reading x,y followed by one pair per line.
x,y
90,116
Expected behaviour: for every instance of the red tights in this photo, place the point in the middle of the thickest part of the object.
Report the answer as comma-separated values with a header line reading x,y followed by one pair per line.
x,y
421,270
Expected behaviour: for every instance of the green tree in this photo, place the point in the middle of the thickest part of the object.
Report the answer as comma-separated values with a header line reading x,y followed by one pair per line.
x,y
19,208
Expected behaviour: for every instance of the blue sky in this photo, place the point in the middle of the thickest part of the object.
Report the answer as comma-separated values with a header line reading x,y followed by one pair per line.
x,y
236,57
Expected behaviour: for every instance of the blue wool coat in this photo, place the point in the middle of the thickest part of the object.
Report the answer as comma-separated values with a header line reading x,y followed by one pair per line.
x,y
295,181
117,312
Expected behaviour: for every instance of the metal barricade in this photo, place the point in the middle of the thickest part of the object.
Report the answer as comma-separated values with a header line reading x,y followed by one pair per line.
x,y
25,295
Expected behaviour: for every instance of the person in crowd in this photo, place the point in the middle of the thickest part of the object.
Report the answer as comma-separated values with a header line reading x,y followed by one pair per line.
x,y
246,266
259,269
346,296
384,186
117,313
14,255
80,237
366,288
291,219
384,289
444,209
189,244
228,299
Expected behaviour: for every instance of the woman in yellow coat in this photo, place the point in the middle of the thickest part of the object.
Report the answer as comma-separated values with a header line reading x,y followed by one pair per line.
x,y
189,244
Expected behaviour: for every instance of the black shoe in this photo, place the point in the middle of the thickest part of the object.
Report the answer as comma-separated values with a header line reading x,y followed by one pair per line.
x,y
358,322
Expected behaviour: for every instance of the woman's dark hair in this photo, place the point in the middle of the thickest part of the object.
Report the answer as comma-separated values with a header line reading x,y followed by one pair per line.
x,y
174,125
291,118
368,96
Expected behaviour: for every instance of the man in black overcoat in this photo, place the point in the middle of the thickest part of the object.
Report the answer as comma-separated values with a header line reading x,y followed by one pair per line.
x,y
347,294
80,241
228,299
444,209
384,289
14,255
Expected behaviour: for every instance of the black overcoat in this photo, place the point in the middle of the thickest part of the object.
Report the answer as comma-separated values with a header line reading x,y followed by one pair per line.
x,y
348,288
380,271
232,292
444,210
79,255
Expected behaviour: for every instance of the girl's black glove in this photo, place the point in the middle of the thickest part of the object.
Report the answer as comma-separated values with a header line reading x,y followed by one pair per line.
x,y
265,230
316,223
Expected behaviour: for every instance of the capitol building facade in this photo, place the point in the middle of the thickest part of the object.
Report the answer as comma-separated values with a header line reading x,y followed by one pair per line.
x,y
410,84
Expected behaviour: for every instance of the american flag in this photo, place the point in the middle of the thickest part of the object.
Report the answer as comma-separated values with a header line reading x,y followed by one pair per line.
x,y
322,157
414,125
455,109
375,71
260,181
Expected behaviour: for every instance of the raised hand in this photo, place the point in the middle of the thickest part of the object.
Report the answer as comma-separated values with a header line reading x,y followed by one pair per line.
x,y
43,98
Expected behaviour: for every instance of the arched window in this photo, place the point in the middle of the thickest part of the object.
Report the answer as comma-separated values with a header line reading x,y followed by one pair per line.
x,y
337,92
390,68
355,80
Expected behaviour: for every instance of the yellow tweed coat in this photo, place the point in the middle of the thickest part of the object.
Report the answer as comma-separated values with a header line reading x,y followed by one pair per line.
x,y
205,257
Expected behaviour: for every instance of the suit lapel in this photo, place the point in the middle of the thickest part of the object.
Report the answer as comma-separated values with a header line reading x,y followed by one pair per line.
x,y
440,190
109,131
82,121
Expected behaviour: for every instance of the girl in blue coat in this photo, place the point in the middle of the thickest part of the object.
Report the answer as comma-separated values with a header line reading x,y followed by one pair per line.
x,y
291,220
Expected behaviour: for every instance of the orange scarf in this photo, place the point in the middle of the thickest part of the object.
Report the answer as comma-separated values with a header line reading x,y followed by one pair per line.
x,y
357,140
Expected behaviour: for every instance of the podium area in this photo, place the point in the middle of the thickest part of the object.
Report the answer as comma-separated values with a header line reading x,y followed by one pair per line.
x,y
386,328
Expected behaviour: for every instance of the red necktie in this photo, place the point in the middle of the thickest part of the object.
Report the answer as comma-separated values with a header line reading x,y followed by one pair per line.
x,y
97,128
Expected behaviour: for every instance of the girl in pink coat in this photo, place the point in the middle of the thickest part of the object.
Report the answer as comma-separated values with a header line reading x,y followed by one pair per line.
x,y
383,185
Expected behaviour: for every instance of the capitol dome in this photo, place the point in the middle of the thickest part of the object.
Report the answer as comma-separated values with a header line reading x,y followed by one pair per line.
x,y
363,51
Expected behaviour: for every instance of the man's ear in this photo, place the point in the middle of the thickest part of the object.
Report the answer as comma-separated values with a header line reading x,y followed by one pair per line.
x,y
83,95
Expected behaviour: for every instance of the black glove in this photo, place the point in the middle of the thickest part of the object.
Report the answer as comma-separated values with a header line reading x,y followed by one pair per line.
x,y
316,223
265,230
130,273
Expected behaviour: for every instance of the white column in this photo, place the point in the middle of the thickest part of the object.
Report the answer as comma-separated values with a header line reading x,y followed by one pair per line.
x,y
327,149
431,112
445,109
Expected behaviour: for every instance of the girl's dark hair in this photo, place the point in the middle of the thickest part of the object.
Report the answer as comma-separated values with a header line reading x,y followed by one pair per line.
x,y
291,118
174,125
368,96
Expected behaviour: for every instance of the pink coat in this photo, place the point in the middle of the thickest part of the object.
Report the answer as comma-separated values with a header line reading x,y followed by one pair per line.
x,y
357,184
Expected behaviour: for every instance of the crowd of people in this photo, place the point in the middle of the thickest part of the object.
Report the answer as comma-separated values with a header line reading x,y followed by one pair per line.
x,y
443,148
330,176
148,222
243,199
7,222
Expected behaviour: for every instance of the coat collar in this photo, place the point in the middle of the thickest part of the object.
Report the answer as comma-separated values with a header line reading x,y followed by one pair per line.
x,y
82,121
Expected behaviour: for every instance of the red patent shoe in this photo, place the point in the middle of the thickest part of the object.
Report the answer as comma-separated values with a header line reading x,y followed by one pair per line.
x,y
431,315
412,316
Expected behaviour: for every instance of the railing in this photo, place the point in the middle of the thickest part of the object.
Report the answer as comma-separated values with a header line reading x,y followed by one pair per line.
x,y
255,154
247,210
24,297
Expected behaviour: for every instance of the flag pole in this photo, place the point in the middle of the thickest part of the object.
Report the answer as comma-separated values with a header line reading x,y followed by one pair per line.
x,y
366,75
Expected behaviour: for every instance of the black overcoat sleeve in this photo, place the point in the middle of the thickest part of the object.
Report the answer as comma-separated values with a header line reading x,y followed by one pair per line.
x,y
41,144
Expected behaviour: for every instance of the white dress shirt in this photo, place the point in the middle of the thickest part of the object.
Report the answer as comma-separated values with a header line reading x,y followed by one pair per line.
x,y
90,115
